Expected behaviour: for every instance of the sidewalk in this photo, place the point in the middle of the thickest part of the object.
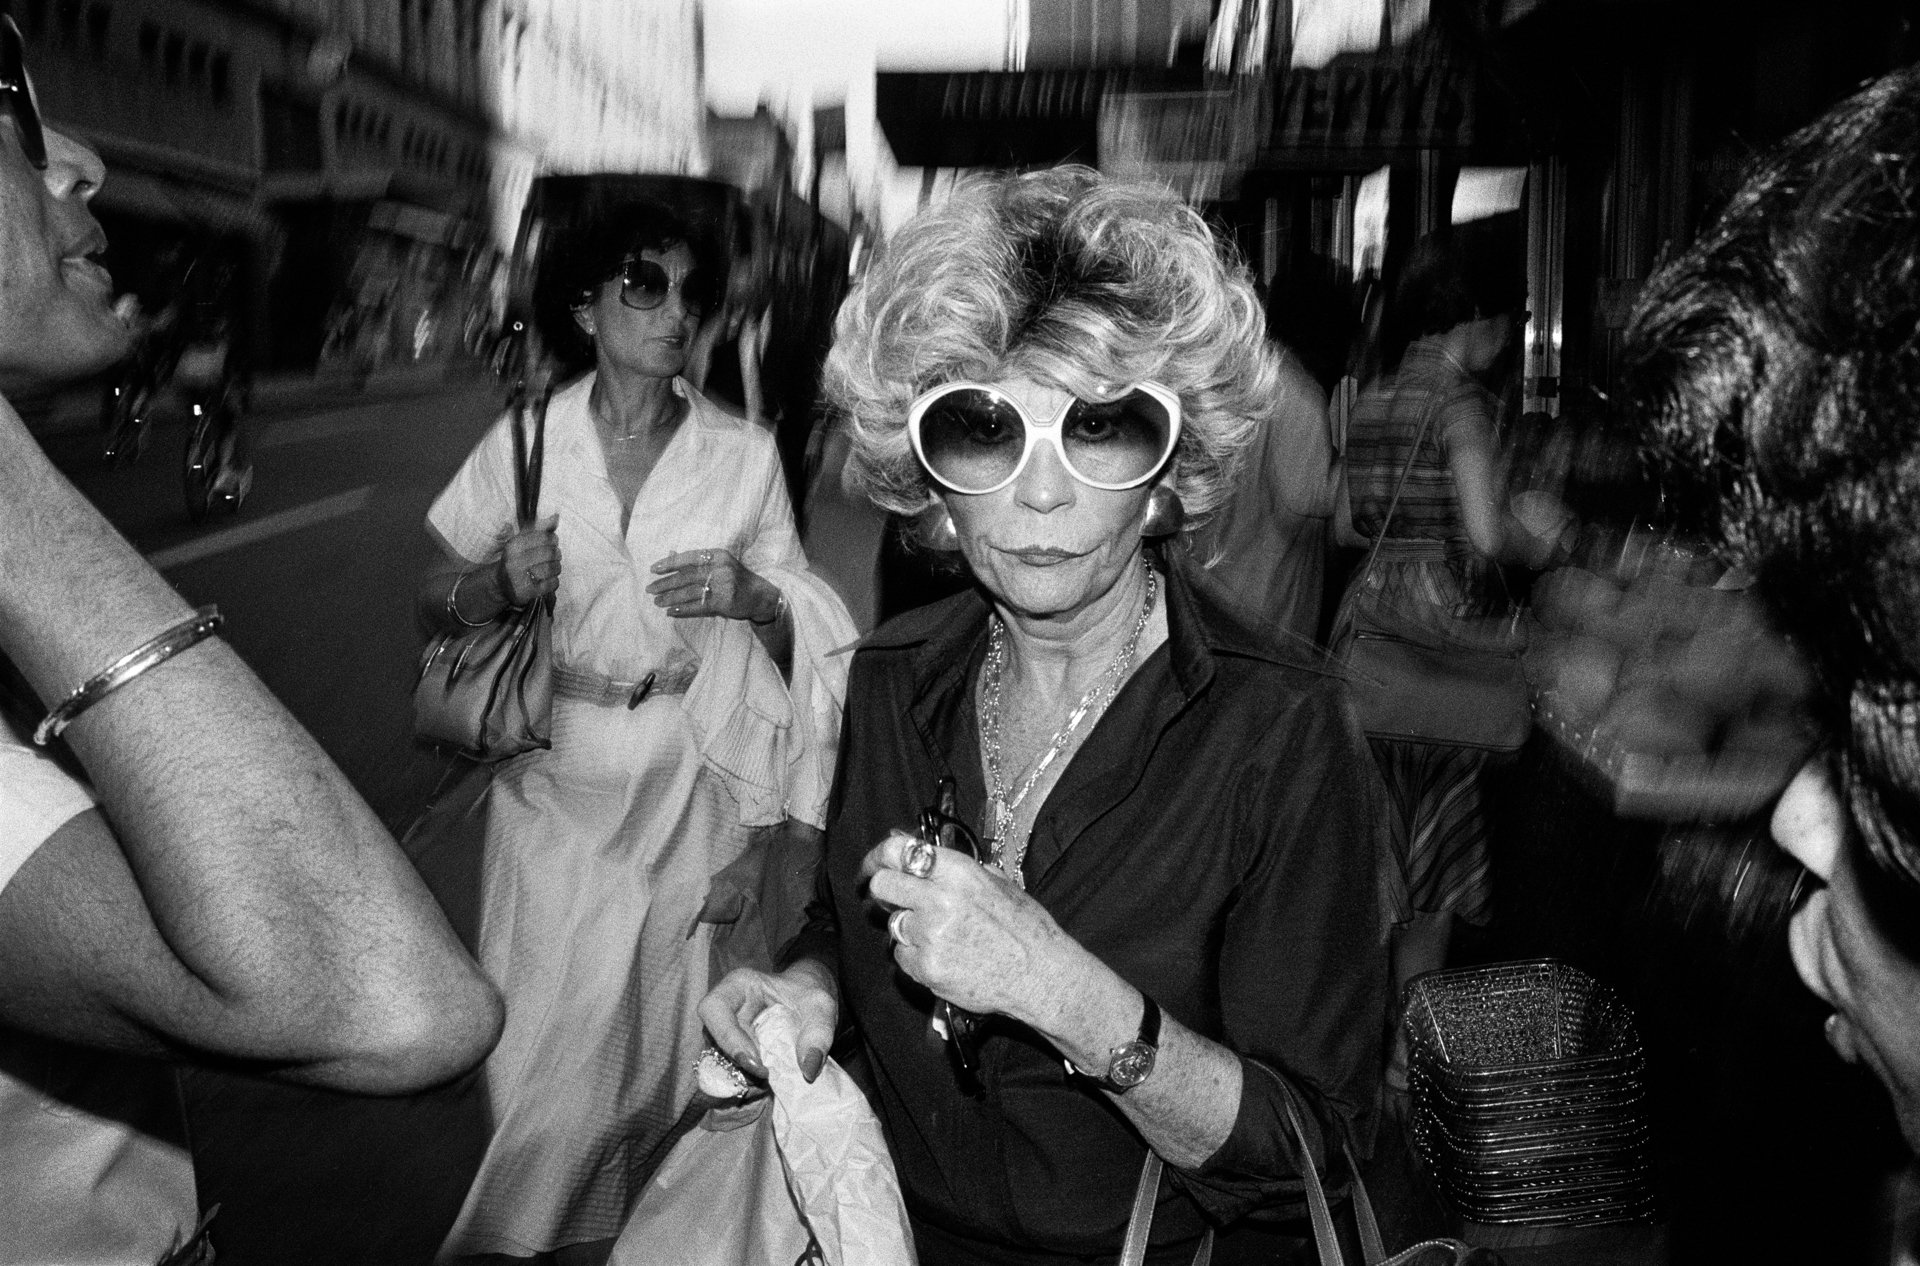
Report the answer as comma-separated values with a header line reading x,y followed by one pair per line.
x,y
280,393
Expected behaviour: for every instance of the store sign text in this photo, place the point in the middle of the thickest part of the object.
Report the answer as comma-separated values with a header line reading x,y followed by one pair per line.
x,y
1390,105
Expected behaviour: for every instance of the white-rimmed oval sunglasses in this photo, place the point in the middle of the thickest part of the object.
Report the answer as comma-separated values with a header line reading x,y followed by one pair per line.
x,y
975,439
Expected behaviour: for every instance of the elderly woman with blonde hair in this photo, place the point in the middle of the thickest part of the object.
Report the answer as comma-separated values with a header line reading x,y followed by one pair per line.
x,y
1166,927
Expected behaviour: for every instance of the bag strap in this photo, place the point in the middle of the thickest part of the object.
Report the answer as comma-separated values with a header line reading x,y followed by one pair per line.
x,y
1133,1250
1393,503
529,454
1319,1213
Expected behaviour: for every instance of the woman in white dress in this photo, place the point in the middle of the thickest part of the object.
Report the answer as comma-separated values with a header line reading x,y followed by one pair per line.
x,y
696,699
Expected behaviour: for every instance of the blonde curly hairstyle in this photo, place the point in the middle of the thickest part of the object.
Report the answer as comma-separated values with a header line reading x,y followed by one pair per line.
x,y
1069,279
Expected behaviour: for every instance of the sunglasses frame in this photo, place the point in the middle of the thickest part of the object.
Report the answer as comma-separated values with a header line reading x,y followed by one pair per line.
x,y
702,310
1048,431
940,828
18,90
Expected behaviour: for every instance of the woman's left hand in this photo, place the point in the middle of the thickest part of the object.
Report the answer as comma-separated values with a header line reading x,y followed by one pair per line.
x,y
712,582
970,934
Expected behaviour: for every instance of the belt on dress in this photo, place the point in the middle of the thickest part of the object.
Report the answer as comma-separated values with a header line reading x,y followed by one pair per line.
x,y
609,692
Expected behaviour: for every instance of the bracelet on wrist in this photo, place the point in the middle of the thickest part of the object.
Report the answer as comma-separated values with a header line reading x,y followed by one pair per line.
x,y
453,603
198,627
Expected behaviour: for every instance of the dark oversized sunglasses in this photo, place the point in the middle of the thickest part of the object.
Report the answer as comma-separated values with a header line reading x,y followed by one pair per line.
x,y
645,285
19,93
976,439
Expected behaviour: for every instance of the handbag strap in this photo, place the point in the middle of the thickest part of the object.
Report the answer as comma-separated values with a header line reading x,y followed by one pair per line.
x,y
1326,1240
1393,503
529,454
1133,1250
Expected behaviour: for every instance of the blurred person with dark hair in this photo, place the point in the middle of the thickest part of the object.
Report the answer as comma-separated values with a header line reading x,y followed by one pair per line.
x,y
216,891
696,709
1778,365
1422,445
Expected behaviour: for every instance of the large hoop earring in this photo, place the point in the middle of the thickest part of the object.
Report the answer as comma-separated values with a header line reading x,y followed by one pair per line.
x,y
933,528
1165,513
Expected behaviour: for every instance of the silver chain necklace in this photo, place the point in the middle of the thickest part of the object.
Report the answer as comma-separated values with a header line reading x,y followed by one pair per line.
x,y
1100,694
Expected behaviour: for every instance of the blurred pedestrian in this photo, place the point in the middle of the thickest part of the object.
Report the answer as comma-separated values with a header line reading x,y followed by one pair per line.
x,y
215,889
697,710
1420,485
1267,545
1778,365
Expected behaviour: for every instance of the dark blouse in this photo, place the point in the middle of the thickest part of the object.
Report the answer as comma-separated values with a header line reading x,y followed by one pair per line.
x,y
1215,841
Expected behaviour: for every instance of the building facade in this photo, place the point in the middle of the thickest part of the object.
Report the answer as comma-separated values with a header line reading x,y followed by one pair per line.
x,y
355,162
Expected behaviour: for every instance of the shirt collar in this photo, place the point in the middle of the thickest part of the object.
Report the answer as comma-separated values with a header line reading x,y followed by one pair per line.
x,y
942,637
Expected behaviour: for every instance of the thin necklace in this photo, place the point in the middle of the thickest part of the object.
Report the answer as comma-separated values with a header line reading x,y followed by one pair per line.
x,y
1100,694
639,431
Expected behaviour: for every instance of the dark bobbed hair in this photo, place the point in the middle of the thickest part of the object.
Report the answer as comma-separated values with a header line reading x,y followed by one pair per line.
x,y
1455,275
581,256
1777,366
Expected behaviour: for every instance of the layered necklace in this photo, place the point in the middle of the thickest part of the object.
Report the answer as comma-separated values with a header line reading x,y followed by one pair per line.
x,y
1099,695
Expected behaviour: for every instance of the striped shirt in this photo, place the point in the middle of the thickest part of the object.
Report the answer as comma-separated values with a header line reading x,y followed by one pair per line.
x,y
1386,419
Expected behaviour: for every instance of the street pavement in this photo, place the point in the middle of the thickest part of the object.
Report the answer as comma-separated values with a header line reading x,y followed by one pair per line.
x,y
316,575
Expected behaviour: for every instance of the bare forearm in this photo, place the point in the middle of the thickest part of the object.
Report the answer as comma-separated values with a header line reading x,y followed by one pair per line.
x,y
264,873
1187,1107
472,590
774,627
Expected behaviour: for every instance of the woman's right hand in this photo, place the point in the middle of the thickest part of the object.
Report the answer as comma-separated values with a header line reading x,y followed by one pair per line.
x,y
730,1008
529,565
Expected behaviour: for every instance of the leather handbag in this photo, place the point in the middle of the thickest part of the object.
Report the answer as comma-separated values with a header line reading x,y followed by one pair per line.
x,y
1433,1252
1458,682
488,691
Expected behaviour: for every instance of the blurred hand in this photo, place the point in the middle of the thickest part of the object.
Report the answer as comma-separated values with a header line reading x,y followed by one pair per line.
x,y
712,582
530,562
971,935
730,1008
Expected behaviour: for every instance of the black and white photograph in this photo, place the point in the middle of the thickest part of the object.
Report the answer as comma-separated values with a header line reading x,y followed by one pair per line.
x,y
959,632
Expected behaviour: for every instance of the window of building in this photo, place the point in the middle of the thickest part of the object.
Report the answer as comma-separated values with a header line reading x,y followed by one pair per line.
x,y
217,85
290,131
196,63
173,52
67,17
33,17
149,43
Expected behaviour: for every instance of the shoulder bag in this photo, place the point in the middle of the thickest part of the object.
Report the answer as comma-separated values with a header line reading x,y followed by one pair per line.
x,y
488,691
1458,682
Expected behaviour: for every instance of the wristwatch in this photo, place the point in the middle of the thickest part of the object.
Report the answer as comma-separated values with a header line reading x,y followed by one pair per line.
x,y
1130,1063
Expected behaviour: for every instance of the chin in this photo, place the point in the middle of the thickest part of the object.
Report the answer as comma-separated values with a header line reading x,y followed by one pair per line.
x,y
59,362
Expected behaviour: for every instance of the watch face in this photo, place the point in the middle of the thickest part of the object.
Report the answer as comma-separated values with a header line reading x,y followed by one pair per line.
x,y
1131,1065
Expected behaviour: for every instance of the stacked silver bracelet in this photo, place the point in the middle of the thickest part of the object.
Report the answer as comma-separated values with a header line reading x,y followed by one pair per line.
x,y
197,628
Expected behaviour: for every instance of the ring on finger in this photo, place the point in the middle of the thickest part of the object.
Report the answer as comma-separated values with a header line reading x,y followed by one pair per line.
x,y
706,590
896,927
919,860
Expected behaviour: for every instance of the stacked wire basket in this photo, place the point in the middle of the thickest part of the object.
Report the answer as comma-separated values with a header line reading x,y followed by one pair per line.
x,y
1528,1093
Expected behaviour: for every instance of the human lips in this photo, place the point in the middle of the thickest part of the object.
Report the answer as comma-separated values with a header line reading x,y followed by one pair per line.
x,y
86,273
1040,555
